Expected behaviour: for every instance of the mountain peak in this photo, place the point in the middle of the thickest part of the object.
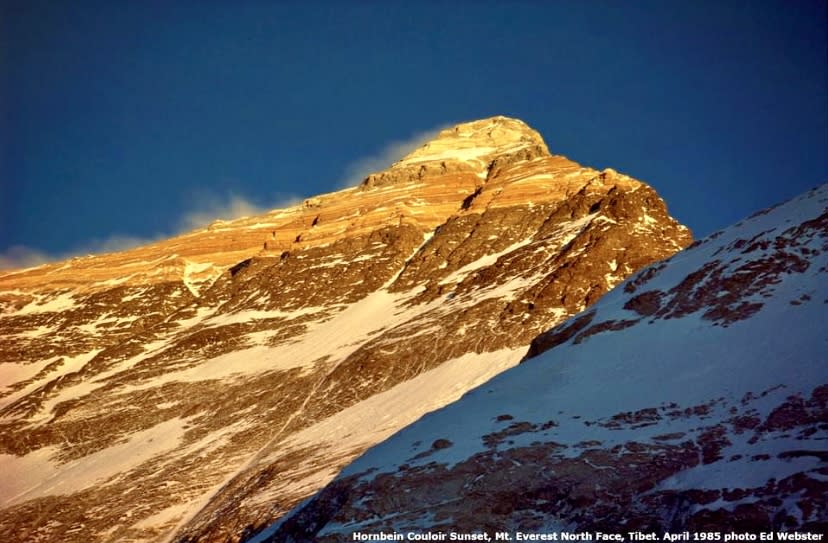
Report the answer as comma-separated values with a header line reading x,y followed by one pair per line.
x,y
429,279
467,148
478,142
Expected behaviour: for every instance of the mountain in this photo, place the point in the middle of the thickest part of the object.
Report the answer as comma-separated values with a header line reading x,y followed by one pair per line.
x,y
694,396
198,388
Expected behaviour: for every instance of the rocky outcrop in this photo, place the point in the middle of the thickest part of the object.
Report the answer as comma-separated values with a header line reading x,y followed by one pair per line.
x,y
198,388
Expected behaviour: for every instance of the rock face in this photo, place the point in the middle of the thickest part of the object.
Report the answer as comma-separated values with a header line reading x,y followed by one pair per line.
x,y
198,388
692,397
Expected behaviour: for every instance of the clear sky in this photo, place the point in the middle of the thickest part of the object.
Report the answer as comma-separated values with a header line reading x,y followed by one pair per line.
x,y
124,121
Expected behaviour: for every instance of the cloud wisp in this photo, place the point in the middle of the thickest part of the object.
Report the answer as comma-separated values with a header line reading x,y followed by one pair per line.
x,y
209,208
20,256
212,208
358,170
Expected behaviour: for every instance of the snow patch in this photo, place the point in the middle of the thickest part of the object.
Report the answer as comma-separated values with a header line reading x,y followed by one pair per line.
x,y
482,262
47,304
39,474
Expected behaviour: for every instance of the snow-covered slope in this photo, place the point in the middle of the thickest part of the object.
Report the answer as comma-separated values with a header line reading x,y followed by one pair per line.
x,y
694,396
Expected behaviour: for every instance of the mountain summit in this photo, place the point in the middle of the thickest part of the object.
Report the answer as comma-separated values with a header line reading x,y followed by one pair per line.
x,y
469,148
198,388
478,143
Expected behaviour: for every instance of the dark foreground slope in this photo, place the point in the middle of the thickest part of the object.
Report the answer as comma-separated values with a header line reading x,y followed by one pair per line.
x,y
692,397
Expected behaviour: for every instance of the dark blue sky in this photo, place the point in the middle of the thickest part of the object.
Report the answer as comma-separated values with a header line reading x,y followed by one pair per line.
x,y
123,120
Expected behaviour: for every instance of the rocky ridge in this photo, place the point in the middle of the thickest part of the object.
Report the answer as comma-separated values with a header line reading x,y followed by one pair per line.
x,y
692,397
197,388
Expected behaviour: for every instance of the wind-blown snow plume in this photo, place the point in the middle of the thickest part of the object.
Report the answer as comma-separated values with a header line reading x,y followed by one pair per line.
x,y
392,151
